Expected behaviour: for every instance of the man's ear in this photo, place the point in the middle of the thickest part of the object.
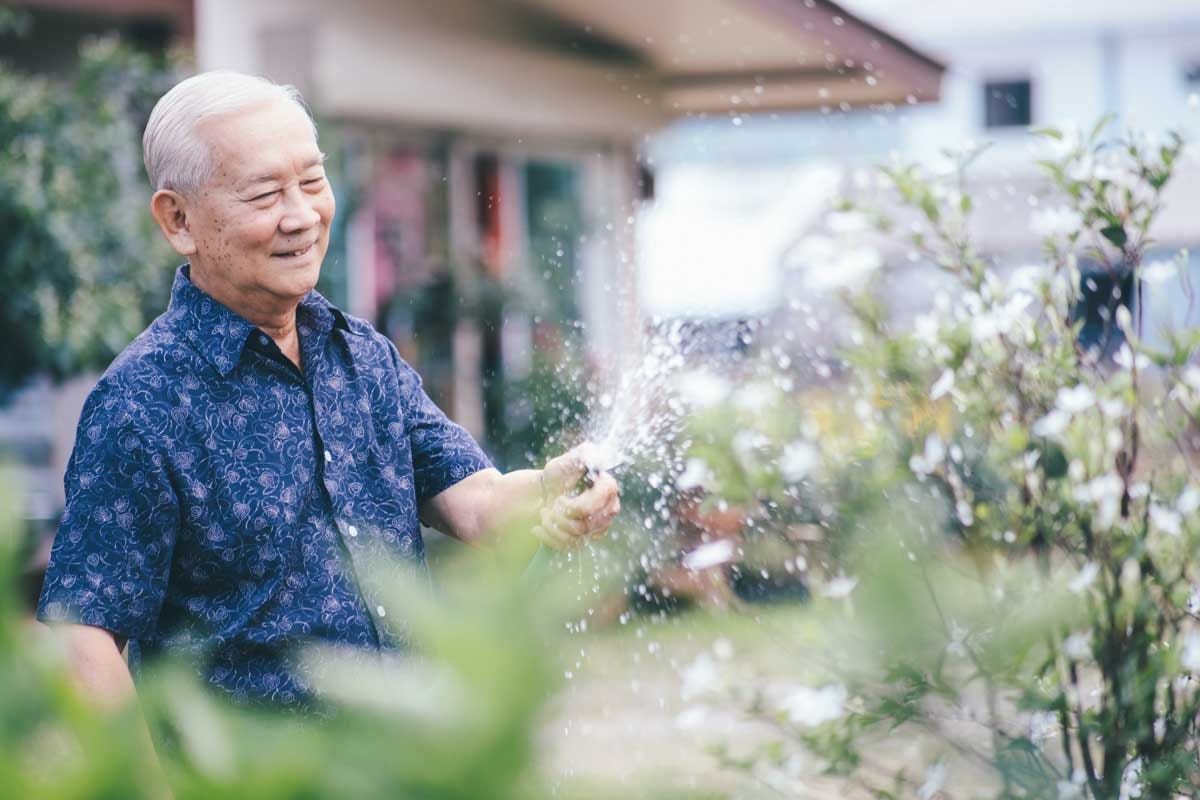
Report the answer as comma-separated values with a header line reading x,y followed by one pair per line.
x,y
171,213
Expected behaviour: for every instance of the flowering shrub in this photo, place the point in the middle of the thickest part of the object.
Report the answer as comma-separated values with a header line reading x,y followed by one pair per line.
x,y
1051,604
1012,494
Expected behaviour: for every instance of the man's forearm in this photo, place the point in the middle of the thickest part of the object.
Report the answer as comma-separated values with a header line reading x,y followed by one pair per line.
x,y
508,504
486,505
100,672
97,666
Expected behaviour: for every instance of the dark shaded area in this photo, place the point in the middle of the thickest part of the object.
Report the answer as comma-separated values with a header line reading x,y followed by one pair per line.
x,y
1008,104
47,42
1101,294
778,587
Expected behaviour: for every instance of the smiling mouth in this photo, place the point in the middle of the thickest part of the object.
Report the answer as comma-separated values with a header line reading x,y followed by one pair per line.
x,y
295,253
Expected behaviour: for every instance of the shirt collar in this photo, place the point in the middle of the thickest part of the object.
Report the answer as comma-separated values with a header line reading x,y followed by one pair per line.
x,y
220,335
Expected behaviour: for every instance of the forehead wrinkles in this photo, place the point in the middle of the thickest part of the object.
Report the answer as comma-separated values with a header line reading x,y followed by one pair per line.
x,y
262,143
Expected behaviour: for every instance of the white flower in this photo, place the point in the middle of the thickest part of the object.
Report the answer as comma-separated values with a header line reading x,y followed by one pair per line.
x,y
695,474
1069,790
1077,647
1053,424
1057,221
942,386
931,458
926,327
1158,272
1189,659
798,460
1027,279
1125,358
1075,400
957,645
710,554
1166,520
842,222
692,718
935,778
1131,780
1188,501
723,649
1112,408
701,677
1119,172
1070,141
846,266
1043,725
807,707
1105,491
1191,376
839,587
747,443
999,319
1082,169
754,398
1125,319
1085,578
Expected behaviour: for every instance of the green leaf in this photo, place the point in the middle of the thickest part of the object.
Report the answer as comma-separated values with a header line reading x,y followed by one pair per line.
x,y
1049,133
929,206
1100,126
1115,234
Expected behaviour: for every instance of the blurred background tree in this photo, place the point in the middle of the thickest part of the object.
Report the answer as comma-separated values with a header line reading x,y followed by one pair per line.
x,y
85,266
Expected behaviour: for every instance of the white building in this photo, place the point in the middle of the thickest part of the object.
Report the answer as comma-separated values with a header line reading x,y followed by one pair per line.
x,y
1010,66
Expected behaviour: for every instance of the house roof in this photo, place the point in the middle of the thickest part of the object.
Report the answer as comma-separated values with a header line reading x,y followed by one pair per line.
x,y
611,69
756,55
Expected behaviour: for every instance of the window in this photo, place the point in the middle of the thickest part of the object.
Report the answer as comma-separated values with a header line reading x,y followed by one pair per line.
x,y
1007,103
1191,73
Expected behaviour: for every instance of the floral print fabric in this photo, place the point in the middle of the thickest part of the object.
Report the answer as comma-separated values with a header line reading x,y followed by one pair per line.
x,y
222,503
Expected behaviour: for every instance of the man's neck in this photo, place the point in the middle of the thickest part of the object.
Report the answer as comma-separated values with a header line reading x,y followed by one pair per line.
x,y
276,317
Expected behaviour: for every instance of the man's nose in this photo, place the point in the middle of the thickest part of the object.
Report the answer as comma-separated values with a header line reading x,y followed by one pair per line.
x,y
298,213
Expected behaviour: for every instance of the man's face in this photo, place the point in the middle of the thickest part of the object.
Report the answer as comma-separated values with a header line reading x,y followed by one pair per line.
x,y
260,225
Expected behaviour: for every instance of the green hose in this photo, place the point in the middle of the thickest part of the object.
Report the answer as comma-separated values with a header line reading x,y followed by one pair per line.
x,y
540,565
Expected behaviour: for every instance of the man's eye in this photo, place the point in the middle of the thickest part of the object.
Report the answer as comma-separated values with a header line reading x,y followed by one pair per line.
x,y
315,181
264,196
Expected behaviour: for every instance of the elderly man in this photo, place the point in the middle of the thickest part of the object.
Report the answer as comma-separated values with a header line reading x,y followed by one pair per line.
x,y
255,452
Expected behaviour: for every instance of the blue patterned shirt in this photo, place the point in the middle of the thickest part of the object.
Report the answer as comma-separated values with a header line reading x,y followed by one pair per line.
x,y
223,504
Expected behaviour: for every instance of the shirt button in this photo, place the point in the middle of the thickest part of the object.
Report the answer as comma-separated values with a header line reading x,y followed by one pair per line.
x,y
353,531
263,340
380,611
328,457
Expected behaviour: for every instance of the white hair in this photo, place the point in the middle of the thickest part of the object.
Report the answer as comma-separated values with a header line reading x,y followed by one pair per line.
x,y
176,156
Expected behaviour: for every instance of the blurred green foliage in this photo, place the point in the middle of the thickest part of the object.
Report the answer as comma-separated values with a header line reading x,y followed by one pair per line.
x,y
75,237
458,718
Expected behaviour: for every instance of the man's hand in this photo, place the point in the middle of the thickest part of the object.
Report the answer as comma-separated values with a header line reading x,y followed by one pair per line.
x,y
579,499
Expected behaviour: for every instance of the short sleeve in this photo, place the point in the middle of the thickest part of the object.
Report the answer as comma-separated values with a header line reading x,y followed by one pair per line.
x,y
111,556
443,452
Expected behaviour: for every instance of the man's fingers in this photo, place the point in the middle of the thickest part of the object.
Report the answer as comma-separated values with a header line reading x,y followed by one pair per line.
x,y
552,537
562,473
568,526
601,521
594,500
